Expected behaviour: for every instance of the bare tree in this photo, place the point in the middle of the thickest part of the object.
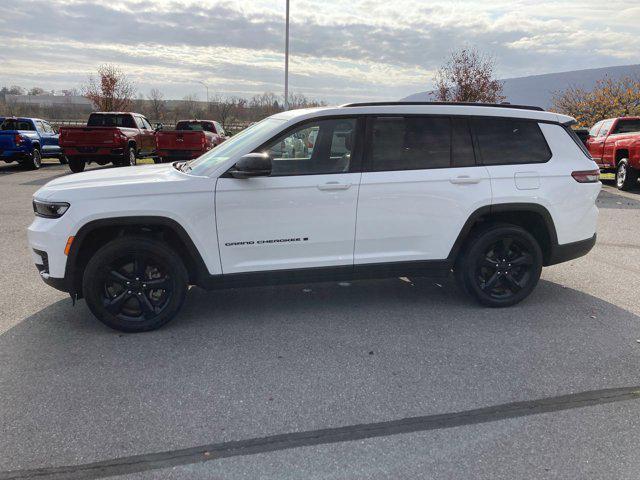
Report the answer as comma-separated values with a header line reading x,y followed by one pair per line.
x,y
468,77
36,91
15,90
112,91
158,104
609,98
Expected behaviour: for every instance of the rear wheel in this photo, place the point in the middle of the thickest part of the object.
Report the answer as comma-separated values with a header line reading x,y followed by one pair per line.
x,y
35,162
76,164
501,265
626,175
129,157
135,284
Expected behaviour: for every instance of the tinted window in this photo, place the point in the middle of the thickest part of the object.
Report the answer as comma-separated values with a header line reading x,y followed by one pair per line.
x,y
110,120
462,154
627,126
510,141
410,143
318,147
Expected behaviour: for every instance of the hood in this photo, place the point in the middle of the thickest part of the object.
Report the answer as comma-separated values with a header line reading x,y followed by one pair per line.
x,y
119,182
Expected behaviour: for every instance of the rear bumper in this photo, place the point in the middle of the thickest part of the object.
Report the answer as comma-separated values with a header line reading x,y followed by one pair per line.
x,y
90,153
15,155
569,251
179,154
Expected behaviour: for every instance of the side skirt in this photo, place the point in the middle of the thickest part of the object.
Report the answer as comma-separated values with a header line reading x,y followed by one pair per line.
x,y
423,268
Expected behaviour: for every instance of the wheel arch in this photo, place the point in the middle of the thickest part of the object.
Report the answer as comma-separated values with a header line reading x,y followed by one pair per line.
x,y
620,154
533,217
96,233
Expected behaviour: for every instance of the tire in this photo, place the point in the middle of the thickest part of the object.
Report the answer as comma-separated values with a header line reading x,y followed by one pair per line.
x,y
35,162
500,265
129,158
76,164
626,175
135,306
63,159
158,160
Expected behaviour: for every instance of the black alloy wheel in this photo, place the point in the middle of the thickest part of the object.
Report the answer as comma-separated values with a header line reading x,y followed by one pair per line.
x,y
135,283
500,265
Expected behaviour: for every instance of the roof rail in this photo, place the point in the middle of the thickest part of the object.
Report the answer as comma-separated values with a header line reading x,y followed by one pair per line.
x,y
467,104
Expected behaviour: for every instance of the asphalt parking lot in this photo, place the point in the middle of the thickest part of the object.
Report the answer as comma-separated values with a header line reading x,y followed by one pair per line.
x,y
404,371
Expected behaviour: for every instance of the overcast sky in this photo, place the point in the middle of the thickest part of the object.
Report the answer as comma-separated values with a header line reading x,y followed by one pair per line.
x,y
341,50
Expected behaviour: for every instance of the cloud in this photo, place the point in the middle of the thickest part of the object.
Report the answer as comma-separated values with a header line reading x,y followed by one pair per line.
x,y
339,50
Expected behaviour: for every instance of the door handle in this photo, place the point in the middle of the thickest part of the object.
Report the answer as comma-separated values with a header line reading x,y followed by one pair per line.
x,y
464,180
334,186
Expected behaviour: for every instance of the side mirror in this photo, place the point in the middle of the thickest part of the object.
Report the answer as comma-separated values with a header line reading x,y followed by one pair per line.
x,y
159,126
252,165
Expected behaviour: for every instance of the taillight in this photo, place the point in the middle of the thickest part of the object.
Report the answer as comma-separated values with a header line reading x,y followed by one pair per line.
x,y
18,139
586,176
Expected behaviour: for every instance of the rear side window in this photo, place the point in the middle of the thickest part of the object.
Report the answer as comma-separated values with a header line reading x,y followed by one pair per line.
x,y
410,143
504,141
462,154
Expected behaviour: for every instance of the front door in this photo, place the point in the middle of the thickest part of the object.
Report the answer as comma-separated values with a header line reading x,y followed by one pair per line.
x,y
420,185
304,214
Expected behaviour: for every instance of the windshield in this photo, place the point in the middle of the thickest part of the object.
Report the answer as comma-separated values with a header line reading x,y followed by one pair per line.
x,y
234,145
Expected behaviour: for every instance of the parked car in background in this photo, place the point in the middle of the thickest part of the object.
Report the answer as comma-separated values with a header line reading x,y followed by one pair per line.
x,y
492,192
190,139
109,137
27,141
614,144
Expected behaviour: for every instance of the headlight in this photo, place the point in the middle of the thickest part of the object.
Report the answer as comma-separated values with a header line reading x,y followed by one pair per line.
x,y
49,209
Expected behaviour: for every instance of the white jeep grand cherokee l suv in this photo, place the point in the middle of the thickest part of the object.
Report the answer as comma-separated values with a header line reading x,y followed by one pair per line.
x,y
491,193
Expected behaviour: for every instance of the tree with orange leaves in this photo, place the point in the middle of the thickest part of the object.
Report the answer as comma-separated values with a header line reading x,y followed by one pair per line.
x,y
608,99
111,91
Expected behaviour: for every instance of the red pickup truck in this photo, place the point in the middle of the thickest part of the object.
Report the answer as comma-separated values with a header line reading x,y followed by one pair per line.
x,y
117,137
614,144
190,139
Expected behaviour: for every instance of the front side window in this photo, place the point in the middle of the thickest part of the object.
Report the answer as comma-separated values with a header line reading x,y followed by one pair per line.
x,y
510,141
47,127
145,124
319,147
605,128
594,130
410,143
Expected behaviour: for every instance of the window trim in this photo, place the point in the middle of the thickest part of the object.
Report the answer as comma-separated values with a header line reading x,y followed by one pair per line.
x,y
356,159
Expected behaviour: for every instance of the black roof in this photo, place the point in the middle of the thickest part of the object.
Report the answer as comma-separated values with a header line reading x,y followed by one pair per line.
x,y
467,104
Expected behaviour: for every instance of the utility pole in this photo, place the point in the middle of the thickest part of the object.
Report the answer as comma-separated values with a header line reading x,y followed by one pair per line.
x,y
286,62
207,88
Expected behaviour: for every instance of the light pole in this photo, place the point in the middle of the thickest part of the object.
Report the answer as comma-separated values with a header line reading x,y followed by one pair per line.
x,y
207,88
286,62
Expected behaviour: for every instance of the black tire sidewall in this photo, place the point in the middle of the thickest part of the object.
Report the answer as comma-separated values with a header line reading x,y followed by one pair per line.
x,y
76,165
477,247
92,284
35,162
631,177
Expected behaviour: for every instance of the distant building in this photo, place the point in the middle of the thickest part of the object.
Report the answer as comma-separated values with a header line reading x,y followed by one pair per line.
x,y
49,100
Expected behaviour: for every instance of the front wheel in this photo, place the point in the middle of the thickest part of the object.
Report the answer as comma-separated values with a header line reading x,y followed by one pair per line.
x,y
63,159
129,159
501,265
135,284
158,160
626,175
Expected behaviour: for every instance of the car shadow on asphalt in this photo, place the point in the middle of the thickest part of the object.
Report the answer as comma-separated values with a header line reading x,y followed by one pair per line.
x,y
247,362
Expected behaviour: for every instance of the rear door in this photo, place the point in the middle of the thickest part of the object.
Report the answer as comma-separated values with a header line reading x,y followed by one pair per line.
x,y
420,185
304,214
